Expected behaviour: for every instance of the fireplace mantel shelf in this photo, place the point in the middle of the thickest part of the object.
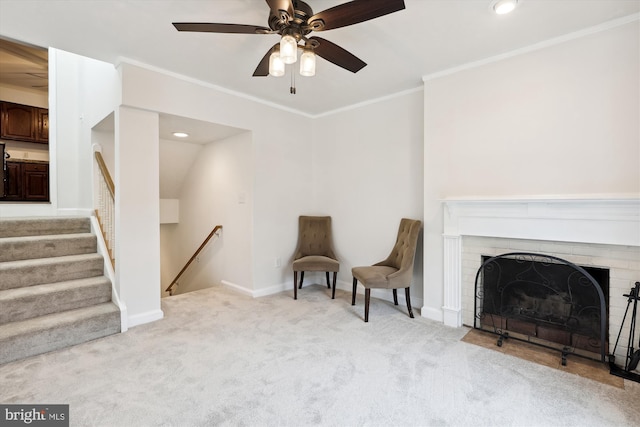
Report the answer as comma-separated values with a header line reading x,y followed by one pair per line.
x,y
562,198
613,221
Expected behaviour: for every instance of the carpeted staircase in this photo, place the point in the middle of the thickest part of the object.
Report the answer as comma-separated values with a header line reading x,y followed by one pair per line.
x,y
53,292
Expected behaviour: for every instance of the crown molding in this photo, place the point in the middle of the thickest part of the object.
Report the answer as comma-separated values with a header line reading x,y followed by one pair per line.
x,y
534,47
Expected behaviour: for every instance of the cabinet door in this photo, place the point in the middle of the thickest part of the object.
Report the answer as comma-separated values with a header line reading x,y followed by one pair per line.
x,y
42,125
17,122
13,183
36,182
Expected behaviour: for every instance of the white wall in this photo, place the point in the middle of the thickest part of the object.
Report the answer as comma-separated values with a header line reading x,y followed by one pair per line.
x,y
218,190
176,157
85,91
562,120
169,211
21,95
137,213
26,150
368,175
106,141
280,161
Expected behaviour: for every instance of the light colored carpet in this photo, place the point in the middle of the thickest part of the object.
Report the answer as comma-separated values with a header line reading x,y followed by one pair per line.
x,y
220,358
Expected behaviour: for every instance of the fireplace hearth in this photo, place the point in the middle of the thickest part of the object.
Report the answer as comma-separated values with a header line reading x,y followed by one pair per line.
x,y
544,300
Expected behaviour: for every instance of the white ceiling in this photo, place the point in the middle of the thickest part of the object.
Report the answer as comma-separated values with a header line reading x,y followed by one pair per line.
x,y
427,37
176,155
24,66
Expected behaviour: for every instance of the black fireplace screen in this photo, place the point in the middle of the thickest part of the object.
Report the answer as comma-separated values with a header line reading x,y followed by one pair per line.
x,y
544,300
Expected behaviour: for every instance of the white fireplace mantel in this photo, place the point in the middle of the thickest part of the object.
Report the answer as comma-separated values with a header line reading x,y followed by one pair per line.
x,y
612,221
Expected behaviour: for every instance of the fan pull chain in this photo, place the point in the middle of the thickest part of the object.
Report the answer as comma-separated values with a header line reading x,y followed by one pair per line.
x,y
292,89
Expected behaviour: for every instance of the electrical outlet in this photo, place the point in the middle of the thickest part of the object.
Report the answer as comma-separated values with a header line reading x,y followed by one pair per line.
x,y
277,263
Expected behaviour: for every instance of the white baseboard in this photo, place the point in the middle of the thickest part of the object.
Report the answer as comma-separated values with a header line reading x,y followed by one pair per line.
x,y
432,314
238,288
257,293
9,210
147,317
74,212
124,316
270,290
39,209
452,317
383,294
111,275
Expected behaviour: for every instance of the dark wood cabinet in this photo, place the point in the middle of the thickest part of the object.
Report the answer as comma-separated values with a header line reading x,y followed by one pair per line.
x,y
35,183
17,122
24,123
42,125
26,182
13,182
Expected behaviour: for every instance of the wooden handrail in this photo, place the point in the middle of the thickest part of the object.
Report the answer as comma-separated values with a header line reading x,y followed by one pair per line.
x,y
105,173
106,206
173,282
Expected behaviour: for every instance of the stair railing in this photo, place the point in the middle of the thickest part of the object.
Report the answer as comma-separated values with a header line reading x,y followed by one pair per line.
x,y
105,211
174,282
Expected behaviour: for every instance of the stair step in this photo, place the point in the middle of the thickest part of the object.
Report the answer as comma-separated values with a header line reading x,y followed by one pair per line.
x,y
55,331
15,227
39,300
16,274
31,247
53,292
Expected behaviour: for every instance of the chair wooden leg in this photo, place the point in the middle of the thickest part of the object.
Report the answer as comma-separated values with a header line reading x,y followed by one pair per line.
x,y
367,298
295,285
333,292
328,285
301,279
395,297
408,298
353,293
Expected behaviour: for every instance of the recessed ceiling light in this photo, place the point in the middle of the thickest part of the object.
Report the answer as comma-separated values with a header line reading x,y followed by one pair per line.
x,y
504,6
180,134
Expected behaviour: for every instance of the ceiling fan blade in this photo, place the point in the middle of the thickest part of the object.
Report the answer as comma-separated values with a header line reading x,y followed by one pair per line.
x,y
353,12
208,27
282,9
334,53
262,69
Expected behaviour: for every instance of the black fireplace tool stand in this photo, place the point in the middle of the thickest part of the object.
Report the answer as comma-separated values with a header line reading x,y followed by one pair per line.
x,y
633,356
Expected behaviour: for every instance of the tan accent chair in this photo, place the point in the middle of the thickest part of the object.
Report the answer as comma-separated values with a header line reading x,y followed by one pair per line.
x,y
314,251
394,272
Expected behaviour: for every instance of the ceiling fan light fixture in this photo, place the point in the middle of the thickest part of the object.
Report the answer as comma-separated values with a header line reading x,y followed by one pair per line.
x,y
502,7
308,63
276,66
293,20
288,49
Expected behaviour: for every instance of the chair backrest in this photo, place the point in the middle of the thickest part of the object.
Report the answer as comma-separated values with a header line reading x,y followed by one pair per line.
x,y
403,253
314,237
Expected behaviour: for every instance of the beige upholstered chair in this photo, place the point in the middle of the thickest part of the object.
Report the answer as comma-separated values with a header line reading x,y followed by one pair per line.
x,y
314,251
394,272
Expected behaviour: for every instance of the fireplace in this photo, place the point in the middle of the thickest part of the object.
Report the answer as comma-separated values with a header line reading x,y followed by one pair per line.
x,y
596,232
545,300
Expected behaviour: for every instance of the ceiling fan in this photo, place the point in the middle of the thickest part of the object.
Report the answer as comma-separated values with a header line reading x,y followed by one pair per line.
x,y
293,20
